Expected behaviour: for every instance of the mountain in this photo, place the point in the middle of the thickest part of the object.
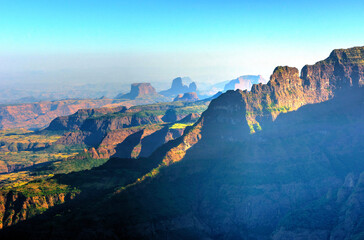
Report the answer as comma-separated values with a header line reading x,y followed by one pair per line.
x,y
244,82
139,90
74,121
179,88
189,97
122,132
40,114
282,161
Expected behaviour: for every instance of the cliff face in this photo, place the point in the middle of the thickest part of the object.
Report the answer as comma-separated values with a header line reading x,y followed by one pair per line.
x,y
235,114
131,133
134,143
16,207
95,128
74,121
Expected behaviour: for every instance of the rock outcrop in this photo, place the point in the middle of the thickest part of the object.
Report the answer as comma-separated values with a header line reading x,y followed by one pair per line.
x,y
187,97
179,88
17,206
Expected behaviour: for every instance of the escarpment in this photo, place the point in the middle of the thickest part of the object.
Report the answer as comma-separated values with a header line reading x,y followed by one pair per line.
x,y
235,115
40,114
74,121
287,91
283,161
135,132
16,206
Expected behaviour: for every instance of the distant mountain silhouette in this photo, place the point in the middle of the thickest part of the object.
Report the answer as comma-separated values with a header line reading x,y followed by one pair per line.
x,y
244,82
179,88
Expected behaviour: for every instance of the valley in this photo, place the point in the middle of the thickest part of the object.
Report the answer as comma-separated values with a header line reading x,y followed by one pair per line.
x,y
282,161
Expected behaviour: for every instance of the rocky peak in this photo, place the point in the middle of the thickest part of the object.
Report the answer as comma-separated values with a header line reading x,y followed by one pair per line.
x,y
177,83
192,87
346,56
284,72
343,68
284,77
179,88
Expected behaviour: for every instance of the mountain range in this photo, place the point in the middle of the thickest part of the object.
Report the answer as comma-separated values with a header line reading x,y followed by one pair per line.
x,y
281,161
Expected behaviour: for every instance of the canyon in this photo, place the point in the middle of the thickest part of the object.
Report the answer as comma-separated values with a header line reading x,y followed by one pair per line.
x,y
282,161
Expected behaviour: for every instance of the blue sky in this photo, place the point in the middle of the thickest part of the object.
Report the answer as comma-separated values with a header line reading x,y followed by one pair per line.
x,y
158,40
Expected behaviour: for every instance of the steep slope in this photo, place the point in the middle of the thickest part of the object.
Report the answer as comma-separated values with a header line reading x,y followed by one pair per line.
x,y
118,125
16,206
74,121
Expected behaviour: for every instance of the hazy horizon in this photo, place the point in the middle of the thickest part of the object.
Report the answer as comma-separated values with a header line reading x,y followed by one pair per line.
x,y
123,42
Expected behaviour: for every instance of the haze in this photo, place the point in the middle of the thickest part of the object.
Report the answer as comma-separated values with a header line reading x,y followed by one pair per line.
x,y
64,42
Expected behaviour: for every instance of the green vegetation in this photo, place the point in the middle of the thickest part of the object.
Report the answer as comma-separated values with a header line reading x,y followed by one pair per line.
x,y
11,140
180,125
353,55
254,126
274,108
44,187
82,161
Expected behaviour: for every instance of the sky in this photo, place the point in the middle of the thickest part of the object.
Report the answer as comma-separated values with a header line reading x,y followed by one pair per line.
x,y
156,41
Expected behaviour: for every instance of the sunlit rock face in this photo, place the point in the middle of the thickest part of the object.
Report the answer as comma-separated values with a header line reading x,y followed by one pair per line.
x,y
265,145
282,161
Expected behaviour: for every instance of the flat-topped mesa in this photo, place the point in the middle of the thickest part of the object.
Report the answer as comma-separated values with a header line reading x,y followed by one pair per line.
x,y
139,90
